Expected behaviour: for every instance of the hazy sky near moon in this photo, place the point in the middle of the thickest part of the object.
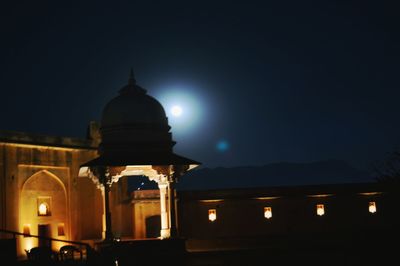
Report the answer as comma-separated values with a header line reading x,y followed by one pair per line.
x,y
258,82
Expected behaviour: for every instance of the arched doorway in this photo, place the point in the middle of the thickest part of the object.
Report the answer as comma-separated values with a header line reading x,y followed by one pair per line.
x,y
43,209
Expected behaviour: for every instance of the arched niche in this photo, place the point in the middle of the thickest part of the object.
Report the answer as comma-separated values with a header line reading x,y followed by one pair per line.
x,y
43,189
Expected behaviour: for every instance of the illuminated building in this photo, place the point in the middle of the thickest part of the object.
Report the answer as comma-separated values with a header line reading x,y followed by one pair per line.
x,y
48,188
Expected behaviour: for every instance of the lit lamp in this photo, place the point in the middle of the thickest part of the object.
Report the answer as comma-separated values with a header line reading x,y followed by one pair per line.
x,y
27,230
267,212
212,215
372,207
320,209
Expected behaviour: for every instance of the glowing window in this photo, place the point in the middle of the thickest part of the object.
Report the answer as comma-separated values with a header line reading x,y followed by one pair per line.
x,y
43,206
268,212
212,215
43,209
320,209
372,207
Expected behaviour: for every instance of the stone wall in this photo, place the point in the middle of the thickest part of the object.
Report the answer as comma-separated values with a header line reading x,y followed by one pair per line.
x,y
32,173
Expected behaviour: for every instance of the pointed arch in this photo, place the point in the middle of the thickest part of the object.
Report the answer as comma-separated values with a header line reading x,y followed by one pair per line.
x,y
47,173
43,187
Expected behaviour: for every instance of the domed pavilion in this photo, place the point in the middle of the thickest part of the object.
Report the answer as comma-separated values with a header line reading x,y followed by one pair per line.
x,y
136,140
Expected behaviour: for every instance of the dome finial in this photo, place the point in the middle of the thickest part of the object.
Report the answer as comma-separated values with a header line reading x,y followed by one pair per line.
x,y
131,80
132,87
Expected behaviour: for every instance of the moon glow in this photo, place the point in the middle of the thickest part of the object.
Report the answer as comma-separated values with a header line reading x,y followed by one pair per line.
x,y
176,110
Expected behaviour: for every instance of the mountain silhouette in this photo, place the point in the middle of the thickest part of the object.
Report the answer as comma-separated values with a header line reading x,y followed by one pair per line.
x,y
274,174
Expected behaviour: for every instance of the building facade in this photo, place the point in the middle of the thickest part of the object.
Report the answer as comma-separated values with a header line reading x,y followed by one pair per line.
x,y
42,194
40,190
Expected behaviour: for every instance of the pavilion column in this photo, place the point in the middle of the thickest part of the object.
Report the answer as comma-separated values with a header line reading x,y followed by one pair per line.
x,y
165,229
105,180
103,222
109,234
172,208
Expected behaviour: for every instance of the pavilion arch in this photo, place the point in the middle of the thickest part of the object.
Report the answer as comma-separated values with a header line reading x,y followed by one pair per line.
x,y
43,188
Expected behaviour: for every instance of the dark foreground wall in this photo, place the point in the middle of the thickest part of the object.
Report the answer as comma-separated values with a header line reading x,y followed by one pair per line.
x,y
8,250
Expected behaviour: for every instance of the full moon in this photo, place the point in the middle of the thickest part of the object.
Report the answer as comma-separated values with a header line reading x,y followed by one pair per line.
x,y
176,110
183,108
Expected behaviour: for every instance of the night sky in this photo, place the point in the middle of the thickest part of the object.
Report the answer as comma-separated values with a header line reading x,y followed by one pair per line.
x,y
258,81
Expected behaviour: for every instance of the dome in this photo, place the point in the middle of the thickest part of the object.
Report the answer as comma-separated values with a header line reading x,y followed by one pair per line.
x,y
134,130
133,107
134,120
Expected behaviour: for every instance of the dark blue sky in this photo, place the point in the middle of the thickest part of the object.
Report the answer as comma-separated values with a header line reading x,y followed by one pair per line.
x,y
277,80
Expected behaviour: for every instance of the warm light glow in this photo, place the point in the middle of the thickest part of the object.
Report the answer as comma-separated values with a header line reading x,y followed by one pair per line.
x,y
176,110
27,229
57,244
266,198
29,242
320,209
370,193
320,195
211,200
34,146
267,212
43,209
372,207
212,215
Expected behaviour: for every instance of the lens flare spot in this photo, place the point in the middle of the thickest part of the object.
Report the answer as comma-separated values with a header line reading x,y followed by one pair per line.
x,y
222,145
